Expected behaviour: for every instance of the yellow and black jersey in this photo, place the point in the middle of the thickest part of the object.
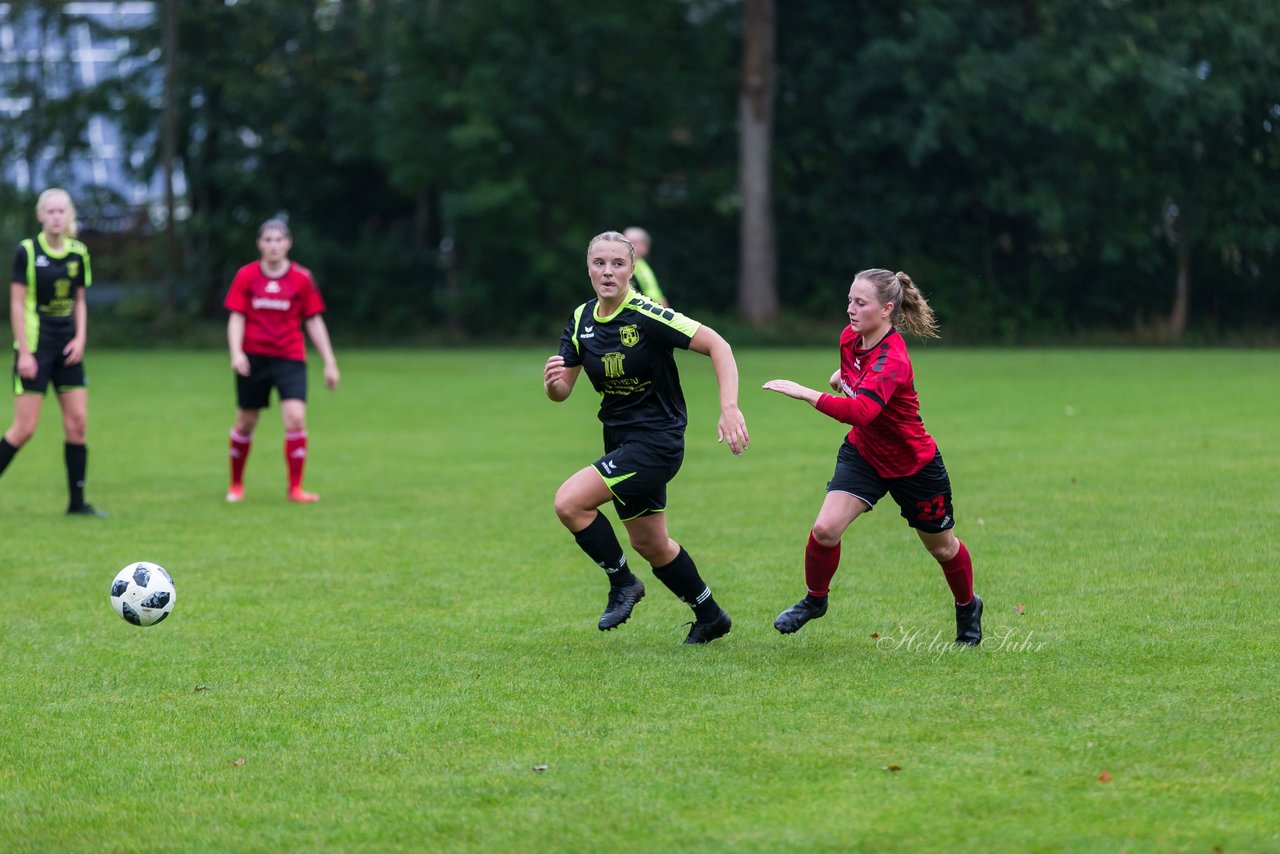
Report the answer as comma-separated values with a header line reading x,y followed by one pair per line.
x,y
51,279
629,358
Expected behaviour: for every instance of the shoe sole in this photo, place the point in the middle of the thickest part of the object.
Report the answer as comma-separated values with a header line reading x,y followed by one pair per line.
x,y
624,619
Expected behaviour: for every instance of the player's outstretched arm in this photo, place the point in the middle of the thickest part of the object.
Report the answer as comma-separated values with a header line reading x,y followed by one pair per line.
x,y
557,380
794,389
732,426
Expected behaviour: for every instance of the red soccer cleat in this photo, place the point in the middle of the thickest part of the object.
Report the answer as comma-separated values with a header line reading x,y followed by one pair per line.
x,y
298,495
235,493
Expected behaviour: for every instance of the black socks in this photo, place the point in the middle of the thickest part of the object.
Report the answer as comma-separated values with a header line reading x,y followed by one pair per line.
x,y
601,545
681,577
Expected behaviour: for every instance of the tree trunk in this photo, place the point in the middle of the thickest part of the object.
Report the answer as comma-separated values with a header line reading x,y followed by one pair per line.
x,y
1181,291
758,273
169,155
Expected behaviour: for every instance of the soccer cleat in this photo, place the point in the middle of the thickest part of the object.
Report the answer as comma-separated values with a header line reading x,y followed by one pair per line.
x,y
297,494
969,623
622,600
86,510
235,493
794,618
710,630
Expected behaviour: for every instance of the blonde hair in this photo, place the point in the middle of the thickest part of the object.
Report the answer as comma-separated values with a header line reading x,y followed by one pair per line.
x,y
910,309
613,237
53,192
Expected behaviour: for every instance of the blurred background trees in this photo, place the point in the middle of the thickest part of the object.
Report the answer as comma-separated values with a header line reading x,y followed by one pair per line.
x,y
1046,170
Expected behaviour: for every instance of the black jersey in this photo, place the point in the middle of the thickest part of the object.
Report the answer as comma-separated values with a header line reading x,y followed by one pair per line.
x,y
52,279
629,359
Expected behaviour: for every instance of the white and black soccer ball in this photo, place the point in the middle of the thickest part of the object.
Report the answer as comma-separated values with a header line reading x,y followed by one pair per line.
x,y
143,593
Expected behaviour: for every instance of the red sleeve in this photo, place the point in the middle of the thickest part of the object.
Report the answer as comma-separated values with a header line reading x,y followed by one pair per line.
x,y
858,410
238,296
312,302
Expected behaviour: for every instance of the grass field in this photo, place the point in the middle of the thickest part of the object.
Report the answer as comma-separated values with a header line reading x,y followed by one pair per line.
x,y
413,664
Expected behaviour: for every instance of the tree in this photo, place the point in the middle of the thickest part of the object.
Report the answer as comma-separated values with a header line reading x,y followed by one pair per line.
x,y
758,276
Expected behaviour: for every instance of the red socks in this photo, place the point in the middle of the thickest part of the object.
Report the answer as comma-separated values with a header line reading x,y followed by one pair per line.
x,y
239,455
959,575
295,453
820,564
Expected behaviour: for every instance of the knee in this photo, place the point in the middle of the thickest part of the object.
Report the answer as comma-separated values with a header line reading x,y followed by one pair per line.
x,y
19,434
943,550
75,427
570,511
827,534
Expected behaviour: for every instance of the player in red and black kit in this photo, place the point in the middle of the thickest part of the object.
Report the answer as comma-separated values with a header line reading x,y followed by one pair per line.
x,y
271,301
887,450
50,321
625,343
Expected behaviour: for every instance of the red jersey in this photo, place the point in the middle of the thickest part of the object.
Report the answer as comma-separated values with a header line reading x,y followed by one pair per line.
x,y
881,404
274,309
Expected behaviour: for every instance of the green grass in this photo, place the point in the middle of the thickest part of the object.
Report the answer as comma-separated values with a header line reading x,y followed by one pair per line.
x,y
394,664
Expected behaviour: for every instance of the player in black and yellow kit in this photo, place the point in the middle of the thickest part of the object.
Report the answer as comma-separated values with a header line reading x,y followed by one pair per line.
x,y
49,319
625,343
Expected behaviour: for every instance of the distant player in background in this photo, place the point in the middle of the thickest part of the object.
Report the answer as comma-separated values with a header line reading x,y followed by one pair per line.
x,y
643,278
271,301
887,450
625,343
50,324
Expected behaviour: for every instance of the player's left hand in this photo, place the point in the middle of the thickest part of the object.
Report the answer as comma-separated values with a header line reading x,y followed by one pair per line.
x,y
733,427
73,352
331,377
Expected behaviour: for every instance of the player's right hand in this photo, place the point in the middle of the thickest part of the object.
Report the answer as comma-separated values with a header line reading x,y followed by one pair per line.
x,y
240,364
834,382
27,366
554,370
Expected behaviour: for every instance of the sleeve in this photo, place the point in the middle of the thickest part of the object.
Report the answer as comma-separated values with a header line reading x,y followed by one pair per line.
x,y
873,393
569,339
87,273
20,266
312,303
670,326
238,295
859,410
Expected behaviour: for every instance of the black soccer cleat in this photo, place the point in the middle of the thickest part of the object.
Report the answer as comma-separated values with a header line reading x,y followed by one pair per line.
x,y
794,618
622,600
710,630
969,623
86,510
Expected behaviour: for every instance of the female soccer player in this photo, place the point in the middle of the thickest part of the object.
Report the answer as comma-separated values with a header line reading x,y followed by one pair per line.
x,y
626,343
270,301
50,322
887,450
644,279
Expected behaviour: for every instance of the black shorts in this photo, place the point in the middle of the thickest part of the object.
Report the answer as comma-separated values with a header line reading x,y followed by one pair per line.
x,y
288,376
925,497
637,470
51,366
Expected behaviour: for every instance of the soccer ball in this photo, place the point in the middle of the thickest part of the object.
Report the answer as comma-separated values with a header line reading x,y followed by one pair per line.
x,y
143,593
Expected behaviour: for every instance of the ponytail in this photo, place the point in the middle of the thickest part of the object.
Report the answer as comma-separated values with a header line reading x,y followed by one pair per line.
x,y
911,310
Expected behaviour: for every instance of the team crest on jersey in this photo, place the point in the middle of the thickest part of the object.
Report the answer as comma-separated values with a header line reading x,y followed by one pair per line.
x,y
612,365
73,268
630,335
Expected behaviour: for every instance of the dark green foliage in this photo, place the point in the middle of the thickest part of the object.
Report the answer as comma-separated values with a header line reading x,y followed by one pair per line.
x,y
1044,170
